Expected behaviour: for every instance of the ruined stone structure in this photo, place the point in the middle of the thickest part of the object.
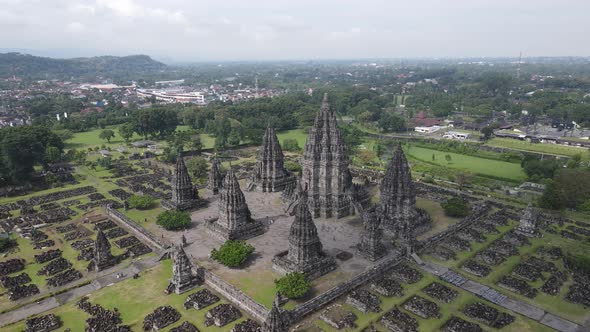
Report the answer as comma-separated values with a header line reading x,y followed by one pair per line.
x,y
371,246
276,320
182,274
103,258
529,221
270,174
235,221
184,195
215,177
325,167
398,198
305,254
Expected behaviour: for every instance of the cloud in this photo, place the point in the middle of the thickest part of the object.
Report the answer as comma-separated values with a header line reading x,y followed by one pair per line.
x,y
299,29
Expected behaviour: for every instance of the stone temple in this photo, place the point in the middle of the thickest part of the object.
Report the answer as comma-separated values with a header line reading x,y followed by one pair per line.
x,y
184,195
270,174
215,177
103,258
398,198
371,245
528,224
275,321
325,167
182,275
235,220
305,254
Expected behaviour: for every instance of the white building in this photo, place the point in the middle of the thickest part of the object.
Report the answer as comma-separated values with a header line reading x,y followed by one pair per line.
x,y
427,130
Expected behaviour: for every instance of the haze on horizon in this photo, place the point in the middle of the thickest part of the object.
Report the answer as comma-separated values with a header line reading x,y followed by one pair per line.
x,y
182,30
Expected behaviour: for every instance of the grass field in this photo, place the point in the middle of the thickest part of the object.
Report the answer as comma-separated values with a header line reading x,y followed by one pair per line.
x,y
135,298
539,147
299,134
480,166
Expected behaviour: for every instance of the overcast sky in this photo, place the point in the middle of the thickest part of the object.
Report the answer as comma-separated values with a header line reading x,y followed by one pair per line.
x,y
193,30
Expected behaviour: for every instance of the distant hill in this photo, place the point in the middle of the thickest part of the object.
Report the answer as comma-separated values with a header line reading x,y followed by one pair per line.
x,y
29,66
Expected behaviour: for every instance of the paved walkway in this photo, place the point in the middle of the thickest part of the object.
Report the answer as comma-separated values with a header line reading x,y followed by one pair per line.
x,y
520,307
75,293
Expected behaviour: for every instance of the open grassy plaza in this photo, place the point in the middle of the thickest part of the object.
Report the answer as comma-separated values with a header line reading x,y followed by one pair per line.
x,y
551,149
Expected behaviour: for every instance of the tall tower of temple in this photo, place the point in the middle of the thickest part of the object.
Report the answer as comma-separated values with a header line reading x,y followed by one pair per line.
x,y
270,173
275,321
103,258
235,221
305,254
371,245
325,167
215,177
398,196
182,275
184,195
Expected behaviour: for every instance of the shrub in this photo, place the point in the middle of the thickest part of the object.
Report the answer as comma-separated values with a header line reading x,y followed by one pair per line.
x,y
140,202
232,253
294,285
173,220
291,144
292,166
455,207
6,243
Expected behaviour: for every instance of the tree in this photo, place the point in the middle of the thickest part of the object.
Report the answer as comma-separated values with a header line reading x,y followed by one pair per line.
x,y
537,169
197,168
455,207
105,162
448,158
126,131
173,220
52,154
157,122
294,285
390,122
291,144
487,132
232,253
233,138
141,202
6,243
106,134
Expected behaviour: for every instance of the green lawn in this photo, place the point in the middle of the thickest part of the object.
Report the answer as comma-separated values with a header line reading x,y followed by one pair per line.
x,y
480,166
538,147
135,298
299,134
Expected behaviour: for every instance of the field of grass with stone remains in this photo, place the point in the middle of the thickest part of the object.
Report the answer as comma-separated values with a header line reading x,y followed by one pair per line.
x,y
553,149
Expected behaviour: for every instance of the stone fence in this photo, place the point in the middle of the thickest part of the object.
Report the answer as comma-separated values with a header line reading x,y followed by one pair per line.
x,y
321,300
439,194
138,231
233,294
479,211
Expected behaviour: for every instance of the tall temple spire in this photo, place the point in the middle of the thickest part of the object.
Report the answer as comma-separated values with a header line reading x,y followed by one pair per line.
x,y
215,177
325,167
305,253
184,195
398,197
182,275
235,221
275,321
270,173
103,258
371,246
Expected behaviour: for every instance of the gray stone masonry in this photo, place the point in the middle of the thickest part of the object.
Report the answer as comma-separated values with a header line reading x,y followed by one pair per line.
x,y
305,254
325,167
269,173
235,220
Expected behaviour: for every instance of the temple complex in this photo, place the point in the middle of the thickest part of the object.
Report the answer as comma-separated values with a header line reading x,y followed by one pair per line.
x,y
215,177
184,195
235,221
305,253
269,173
102,256
371,245
528,224
398,198
182,275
